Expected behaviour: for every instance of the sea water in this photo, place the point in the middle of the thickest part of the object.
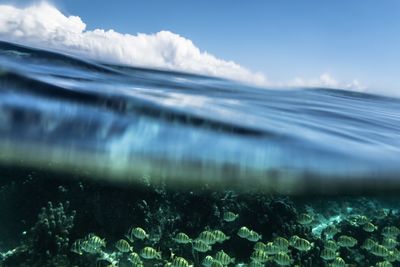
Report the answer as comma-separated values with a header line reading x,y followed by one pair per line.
x,y
89,150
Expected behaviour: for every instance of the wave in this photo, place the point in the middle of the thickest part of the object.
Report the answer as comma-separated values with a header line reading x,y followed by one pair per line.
x,y
121,123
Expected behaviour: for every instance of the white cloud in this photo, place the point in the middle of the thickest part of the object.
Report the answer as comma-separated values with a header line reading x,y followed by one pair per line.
x,y
43,25
325,80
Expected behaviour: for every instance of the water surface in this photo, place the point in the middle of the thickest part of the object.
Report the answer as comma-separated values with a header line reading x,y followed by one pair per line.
x,y
62,113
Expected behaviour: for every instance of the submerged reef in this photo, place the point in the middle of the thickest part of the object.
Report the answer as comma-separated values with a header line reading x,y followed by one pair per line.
x,y
47,242
69,221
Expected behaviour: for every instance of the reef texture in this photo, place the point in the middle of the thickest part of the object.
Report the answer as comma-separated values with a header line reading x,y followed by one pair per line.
x,y
156,225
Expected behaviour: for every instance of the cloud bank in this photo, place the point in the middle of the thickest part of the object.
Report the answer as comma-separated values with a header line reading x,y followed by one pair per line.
x,y
327,81
43,25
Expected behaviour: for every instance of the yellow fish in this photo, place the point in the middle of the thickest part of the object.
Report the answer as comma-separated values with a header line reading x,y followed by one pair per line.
x,y
230,216
346,241
208,237
123,246
180,262
281,243
253,236
283,259
138,233
243,232
328,254
224,258
259,256
369,227
302,244
200,246
182,238
379,250
150,253
305,218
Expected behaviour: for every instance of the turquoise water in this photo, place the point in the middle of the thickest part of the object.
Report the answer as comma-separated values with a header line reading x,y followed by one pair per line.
x,y
193,129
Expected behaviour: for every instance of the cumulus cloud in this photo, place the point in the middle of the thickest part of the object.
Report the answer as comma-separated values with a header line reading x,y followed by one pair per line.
x,y
43,25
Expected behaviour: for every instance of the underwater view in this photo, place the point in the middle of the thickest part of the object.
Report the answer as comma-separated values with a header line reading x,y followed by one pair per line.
x,y
106,165
186,161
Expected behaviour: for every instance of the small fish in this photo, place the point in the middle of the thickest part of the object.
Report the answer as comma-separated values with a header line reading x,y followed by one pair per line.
x,y
207,261
271,249
96,241
338,262
346,241
182,238
281,243
253,236
328,254
224,258
90,248
389,243
138,233
330,244
243,232
200,246
208,237
390,231
180,262
123,246
259,246
220,236
305,218
134,258
379,250
396,252
362,219
357,219
383,264
330,231
150,253
293,239
230,216
302,244
369,227
283,259
393,256
259,256
76,247
368,244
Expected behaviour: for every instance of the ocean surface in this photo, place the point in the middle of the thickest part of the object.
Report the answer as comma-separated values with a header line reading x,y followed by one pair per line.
x,y
119,122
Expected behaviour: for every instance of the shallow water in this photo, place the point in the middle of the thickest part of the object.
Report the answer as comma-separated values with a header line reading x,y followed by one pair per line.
x,y
67,113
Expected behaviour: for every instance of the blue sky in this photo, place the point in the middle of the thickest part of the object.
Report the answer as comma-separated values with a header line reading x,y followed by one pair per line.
x,y
284,39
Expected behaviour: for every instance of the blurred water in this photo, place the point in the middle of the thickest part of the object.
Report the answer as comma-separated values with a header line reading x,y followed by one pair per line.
x,y
121,123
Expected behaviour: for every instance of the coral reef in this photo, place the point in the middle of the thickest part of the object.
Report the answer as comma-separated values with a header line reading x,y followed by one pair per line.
x,y
157,225
47,242
49,237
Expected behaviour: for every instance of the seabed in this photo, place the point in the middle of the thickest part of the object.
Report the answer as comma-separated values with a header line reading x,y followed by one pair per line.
x,y
49,219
